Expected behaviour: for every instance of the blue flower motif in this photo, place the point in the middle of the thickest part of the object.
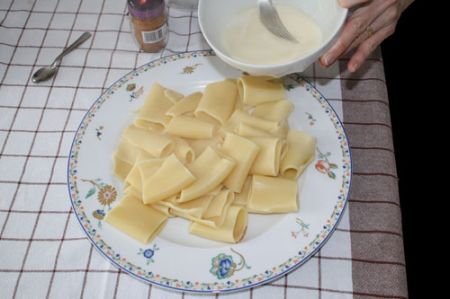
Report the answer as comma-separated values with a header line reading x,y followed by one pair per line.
x,y
148,253
223,266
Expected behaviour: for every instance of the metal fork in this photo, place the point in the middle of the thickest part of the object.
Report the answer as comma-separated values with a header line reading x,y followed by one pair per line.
x,y
271,20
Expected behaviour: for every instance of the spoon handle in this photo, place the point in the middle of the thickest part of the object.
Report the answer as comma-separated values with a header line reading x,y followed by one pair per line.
x,y
85,36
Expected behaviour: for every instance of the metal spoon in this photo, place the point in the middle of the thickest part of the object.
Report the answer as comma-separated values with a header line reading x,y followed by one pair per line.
x,y
271,20
46,73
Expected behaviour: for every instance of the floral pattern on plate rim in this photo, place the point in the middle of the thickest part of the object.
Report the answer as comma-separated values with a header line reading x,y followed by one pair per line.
x,y
302,228
323,164
204,287
223,265
106,195
148,253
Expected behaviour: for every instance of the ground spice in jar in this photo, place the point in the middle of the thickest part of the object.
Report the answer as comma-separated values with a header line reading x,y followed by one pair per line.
x,y
149,26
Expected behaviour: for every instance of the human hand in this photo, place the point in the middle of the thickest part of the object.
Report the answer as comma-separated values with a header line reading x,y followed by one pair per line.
x,y
371,22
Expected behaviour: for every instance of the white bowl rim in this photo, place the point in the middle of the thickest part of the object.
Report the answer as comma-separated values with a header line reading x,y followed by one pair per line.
x,y
265,66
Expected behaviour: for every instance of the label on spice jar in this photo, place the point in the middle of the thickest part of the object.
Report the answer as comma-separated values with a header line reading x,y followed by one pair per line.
x,y
154,36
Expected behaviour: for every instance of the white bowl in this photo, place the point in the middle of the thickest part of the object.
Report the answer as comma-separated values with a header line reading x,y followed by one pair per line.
x,y
213,16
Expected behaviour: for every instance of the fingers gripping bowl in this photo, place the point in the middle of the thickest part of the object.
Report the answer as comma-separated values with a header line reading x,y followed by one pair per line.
x,y
215,15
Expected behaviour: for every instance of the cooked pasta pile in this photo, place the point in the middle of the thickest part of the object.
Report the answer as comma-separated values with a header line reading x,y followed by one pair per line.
x,y
210,158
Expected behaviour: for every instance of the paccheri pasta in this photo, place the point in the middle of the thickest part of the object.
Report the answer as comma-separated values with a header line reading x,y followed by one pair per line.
x,y
210,158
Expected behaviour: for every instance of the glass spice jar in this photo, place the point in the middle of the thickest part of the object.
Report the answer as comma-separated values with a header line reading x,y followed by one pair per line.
x,y
149,24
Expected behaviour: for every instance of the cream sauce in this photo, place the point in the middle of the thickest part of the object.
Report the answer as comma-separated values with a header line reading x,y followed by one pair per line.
x,y
247,40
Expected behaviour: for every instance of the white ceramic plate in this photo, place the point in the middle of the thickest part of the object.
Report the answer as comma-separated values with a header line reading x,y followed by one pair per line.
x,y
273,244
